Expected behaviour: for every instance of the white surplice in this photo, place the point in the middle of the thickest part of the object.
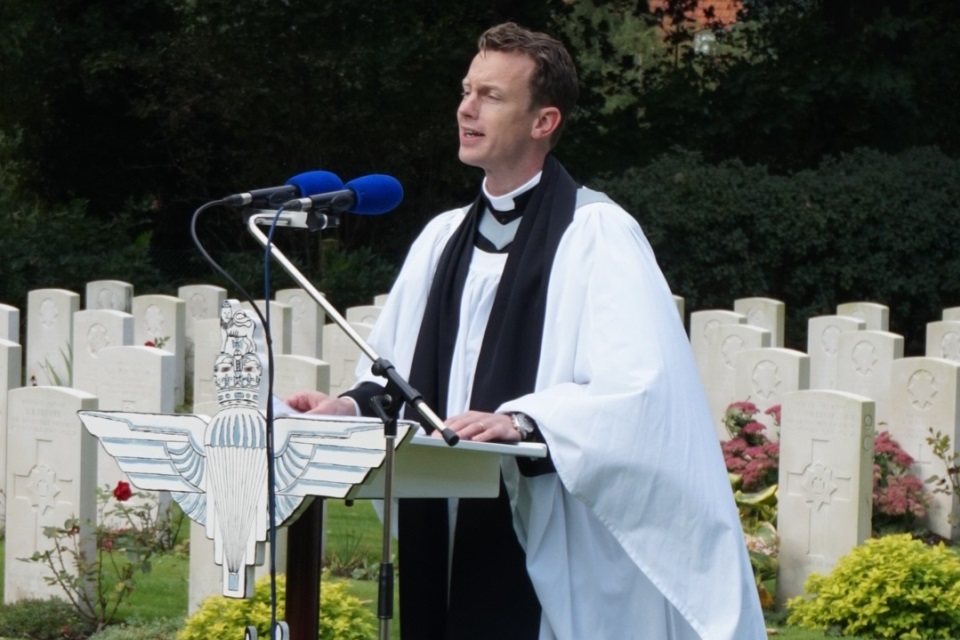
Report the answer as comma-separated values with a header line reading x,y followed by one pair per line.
x,y
637,534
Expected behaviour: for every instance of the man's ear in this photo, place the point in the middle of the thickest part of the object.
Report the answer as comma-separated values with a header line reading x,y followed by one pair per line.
x,y
548,119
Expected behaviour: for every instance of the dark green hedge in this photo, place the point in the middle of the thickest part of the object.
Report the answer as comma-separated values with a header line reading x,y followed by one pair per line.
x,y
863,227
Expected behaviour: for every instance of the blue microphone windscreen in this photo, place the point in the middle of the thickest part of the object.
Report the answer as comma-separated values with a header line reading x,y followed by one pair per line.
x,y
311,183
376,194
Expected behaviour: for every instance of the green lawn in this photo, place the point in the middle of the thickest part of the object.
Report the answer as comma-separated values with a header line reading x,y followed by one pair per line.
x,y
353,536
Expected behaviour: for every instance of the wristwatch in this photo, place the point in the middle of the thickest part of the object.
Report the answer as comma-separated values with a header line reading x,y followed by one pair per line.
x,y
524,424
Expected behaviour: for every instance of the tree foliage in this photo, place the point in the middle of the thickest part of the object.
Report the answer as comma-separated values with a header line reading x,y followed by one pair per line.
x,y
184,102
862,226
789,83
172,103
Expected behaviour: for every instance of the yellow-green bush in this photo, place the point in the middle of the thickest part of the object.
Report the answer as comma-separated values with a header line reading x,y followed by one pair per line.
x,y
891,587
342,616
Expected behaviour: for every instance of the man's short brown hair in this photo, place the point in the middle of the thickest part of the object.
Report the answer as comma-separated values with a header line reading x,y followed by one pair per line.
x,y
554,79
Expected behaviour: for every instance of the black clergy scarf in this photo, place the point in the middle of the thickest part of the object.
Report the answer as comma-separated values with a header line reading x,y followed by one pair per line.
x,y
491,596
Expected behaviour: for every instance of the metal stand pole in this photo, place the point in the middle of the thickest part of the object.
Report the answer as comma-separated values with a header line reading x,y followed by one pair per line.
x,y
382,367
386,408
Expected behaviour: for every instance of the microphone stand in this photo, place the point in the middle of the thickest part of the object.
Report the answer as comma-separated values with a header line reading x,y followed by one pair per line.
x,y
381,366
387,405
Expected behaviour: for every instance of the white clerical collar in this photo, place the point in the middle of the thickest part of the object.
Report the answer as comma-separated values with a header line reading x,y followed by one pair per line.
x,y
505,202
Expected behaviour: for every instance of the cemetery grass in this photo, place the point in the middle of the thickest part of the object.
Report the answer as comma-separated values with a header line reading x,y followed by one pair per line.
x,y
353,544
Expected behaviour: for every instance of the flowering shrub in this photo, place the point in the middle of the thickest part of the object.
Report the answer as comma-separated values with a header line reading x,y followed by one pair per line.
x,y
342,616
98,574
898,500
890,587
749,453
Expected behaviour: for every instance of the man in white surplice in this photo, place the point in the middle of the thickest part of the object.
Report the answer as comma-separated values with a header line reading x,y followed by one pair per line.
x,y
539,312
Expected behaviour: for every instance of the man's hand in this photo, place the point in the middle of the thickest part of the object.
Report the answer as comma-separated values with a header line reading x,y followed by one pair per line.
x,y
484,427
318,402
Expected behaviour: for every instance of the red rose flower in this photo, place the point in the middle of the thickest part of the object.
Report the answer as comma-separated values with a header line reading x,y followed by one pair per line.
x,y
122,491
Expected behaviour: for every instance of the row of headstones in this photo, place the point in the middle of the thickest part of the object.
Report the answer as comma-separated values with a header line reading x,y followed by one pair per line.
x,y
825,478
740,353
51,471
61,340
852,383
812,525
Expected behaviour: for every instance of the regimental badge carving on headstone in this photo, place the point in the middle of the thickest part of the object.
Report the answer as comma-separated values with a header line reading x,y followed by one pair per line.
x,y
216,469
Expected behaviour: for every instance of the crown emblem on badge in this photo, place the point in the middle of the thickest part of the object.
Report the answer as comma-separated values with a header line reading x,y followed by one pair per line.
x,y
238,370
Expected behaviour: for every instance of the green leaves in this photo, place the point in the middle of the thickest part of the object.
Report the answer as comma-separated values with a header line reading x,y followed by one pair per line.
x,y
891,587
863,226
344,616
96,566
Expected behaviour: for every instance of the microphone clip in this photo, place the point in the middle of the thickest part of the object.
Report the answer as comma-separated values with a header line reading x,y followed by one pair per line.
x,y
318,220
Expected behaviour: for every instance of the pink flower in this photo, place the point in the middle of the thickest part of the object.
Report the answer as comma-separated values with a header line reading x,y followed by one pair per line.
x,y
775,412
734,446
753,428
884,445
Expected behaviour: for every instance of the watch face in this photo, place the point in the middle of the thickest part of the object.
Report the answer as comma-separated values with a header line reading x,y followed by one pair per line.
x,y
522,424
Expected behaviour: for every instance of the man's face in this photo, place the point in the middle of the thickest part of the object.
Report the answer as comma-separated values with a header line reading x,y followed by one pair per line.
x,y
495,116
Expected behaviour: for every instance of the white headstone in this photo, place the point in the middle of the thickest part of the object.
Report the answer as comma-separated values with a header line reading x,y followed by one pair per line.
x,y
720,381
951,313
679,301
704,334
823,343
342,355
765,375
876,316
826,483
11,355
50,476
94,330
380,300
294,373
203,303
109,294
9,323
363,314
943,340
134,379
161,321
864,363
924,396
765,313
49,334
306,338
207,343
281,323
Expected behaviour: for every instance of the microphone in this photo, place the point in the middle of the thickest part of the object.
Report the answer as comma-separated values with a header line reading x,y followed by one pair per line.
x,y
368,195
300,185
